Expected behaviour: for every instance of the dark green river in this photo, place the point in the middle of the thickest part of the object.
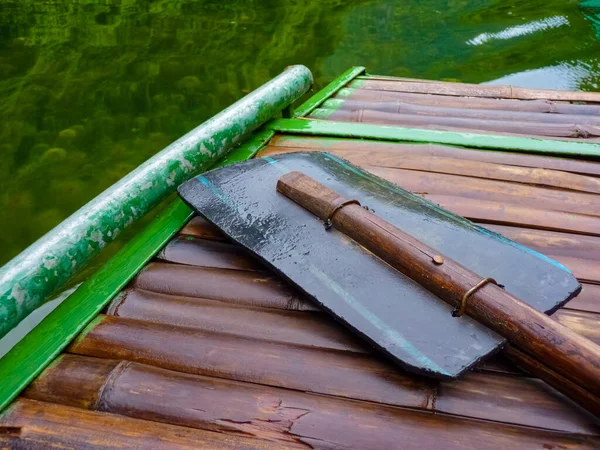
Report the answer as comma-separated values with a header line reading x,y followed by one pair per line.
x,y
89,89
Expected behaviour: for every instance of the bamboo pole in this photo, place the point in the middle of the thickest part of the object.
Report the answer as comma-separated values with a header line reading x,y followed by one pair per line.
x,y
399,107
562,351
476,90
537,106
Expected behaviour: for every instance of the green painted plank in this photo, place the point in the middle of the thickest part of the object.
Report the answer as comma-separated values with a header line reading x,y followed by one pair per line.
x,y
337,84
400,134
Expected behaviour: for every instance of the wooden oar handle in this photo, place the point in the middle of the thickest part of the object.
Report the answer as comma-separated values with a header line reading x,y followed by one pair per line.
x,y
534,333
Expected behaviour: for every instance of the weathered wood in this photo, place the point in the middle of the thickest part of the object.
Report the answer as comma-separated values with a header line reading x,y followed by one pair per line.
x,y
399,107
539,106
147,392
588,299
490,171
345,374
513,399
58,383
229,406
40,425
383,151
476,169
584,269
311,330
578,394
292,327
572,130
477,90
491,190
207,253
560,348
225,405
235,286
551,242
581,322
323,124
81,388
500,364
497,212
200,228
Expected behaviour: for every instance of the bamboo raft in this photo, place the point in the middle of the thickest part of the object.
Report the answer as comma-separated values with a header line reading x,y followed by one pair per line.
x,y
204,347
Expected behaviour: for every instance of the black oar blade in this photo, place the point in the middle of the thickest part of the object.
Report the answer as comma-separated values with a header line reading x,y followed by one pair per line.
x,y
389,310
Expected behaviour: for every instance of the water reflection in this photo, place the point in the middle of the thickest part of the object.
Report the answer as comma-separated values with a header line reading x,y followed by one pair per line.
x,y
566,75
521,30
90,89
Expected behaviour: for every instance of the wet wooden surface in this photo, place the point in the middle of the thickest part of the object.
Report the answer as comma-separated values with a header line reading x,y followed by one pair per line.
x,y
32,425
382,151
206,348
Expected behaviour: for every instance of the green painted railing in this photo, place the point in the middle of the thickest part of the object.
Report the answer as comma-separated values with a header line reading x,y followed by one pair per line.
x,y
27,280
352,130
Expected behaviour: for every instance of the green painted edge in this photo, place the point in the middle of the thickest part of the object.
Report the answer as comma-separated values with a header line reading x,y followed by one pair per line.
x,y
337,84
389,133
250,148
26,360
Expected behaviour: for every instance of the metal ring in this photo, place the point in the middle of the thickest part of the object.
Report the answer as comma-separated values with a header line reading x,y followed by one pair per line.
x,y
328,224
457,312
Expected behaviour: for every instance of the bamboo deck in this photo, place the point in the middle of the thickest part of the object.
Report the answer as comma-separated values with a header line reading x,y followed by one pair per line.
x,y
206,348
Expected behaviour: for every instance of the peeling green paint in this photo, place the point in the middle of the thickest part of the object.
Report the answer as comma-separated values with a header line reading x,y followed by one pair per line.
x,y
321,113
400,134
333,104
27,280
357,84
345,92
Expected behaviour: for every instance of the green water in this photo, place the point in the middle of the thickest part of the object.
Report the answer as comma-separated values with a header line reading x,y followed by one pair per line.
x,y
91,88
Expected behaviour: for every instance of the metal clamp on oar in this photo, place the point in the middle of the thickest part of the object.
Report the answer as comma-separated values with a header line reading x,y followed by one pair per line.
x,y
328,223
460,310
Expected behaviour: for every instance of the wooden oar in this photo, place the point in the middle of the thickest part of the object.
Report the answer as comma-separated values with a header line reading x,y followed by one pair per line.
x,y
541,344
